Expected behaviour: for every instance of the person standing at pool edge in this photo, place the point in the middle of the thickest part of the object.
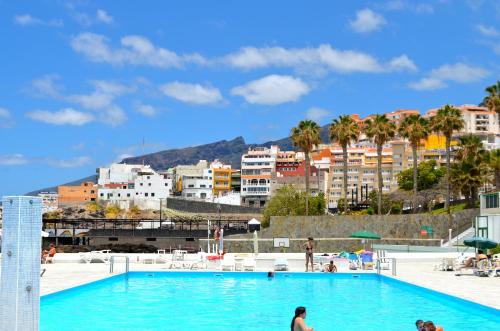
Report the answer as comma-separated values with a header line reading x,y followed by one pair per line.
x,y
309,253
298,323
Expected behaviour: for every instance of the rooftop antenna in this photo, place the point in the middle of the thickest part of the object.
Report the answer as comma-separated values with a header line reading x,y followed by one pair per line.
x,y
143,151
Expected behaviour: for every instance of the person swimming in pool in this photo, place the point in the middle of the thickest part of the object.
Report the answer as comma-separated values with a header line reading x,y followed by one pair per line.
x,y
298,323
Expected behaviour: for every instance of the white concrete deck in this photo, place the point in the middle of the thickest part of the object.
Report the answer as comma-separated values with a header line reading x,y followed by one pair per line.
x,y
410,268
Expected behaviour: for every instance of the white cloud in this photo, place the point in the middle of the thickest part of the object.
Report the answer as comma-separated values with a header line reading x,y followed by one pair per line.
x,y
488,31
418,8
134,50
66,116
101,99
104,17
5,118
367,21
321,59
45,86
458,72
146,110
28,20
272,90
192,93
11,160
427,83
75,162
317,114
402,63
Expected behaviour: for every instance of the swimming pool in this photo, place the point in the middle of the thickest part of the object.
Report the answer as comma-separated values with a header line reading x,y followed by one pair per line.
x,y
249,301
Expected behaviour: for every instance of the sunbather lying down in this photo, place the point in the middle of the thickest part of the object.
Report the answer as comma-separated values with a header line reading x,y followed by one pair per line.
x,y
469,263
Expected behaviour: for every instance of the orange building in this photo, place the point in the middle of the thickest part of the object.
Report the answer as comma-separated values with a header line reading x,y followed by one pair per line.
x,y
85,192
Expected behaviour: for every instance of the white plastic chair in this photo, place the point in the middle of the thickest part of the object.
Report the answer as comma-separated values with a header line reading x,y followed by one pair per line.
x,y
249,264
228,262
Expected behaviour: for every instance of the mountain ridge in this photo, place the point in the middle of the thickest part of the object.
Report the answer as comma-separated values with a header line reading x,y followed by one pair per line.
x,y
227,151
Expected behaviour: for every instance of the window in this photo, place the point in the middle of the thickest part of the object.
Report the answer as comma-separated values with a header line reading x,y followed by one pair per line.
x,y
102,194
146,194
491,200
148,177
191,185
119,194
149,184
128,195
152,194
142,184
166,184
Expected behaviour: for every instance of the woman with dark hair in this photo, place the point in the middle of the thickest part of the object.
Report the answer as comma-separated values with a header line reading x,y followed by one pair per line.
x,y
298,323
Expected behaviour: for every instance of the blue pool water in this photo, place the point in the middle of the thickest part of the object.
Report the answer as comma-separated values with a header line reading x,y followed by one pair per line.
x,y
249,301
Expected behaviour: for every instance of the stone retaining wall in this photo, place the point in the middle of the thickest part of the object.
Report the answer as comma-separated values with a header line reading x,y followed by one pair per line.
x,y
194,206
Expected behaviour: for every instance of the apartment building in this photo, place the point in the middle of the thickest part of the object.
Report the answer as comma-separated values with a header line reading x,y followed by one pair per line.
x,y
318,180
50,201
189,170
140,185
221,178
257,167
362,171
76,194
198,186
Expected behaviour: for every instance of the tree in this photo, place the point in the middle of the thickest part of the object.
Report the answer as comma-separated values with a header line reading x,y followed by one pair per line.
x,y
380,130
344,131
492,100
447,120
305,136
389,206
414,128
287,201
493,160
469,171
133,212
113,211
93,207
428,175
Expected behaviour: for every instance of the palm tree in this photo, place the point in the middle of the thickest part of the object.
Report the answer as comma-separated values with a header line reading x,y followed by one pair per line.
x,y
305,136
447,120
492,101
344,131
414,128
493,160
380,130
470,168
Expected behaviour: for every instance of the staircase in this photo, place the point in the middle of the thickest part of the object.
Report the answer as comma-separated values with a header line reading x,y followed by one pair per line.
x,y
459,240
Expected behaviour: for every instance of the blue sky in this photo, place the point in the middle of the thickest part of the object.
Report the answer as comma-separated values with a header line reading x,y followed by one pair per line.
x,y
82,83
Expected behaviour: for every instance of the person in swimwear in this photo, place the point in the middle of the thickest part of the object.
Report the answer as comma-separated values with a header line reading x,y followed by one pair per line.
x,y
309,246
298,323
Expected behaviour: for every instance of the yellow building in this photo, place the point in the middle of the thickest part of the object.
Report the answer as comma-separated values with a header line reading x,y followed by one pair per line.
x,y
221,177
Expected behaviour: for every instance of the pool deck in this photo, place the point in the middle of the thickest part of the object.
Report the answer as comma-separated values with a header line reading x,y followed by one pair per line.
x,y
483,290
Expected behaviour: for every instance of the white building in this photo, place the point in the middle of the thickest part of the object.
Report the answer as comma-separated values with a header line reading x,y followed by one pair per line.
x,y
488,223
198,187
134,184
50,201
257,168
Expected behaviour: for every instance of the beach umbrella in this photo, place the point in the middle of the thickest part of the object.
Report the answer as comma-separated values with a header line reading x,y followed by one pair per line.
x,y
255,243
480,242
221,241
364,235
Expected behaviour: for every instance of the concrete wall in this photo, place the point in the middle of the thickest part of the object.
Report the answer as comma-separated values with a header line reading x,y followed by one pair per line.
x,y
332,233
387,226
207,207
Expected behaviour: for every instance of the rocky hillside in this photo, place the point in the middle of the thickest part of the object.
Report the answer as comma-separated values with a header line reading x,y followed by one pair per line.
x,y
227,151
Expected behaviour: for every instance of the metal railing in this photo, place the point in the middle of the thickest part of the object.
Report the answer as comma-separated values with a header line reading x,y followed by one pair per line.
x,y
393,267
112,263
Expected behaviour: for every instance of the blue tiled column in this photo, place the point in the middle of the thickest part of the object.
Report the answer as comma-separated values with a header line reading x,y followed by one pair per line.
x,y
20,277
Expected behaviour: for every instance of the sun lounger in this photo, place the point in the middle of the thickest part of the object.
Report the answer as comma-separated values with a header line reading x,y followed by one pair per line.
x,y
102,256
383,260
280,264
353,261
228,263
249,264
200,263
